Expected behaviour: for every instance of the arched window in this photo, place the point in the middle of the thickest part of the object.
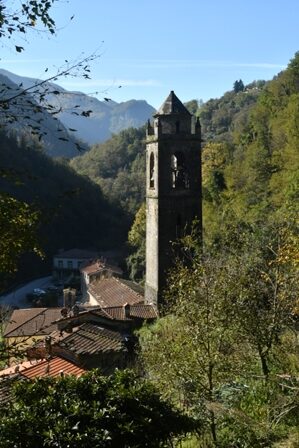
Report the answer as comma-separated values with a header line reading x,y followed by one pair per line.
x,y
152,171
180,177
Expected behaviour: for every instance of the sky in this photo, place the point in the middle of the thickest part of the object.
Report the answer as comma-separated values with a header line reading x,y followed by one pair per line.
x,y
197,48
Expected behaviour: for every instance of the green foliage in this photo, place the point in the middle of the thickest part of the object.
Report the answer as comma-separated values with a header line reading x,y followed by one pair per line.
x,y
118,166
136,239
18,229
221,118
72,209
91,411
239,86
226,350
253,177
20,21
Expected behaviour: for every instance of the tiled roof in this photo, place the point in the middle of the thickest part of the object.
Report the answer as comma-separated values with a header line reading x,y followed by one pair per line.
x,y
126,312
96,266
32,322
6,384
89,339
18,367
110,292
137,311
77,253
52,367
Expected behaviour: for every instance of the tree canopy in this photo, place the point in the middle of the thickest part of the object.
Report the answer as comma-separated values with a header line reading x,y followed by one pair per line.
x,y
118,411
226,349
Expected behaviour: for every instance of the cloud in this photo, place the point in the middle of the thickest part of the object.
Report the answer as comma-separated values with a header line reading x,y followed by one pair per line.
x,y
111,83
180,63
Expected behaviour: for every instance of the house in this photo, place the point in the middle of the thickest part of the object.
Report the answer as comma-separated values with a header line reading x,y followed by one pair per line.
x,y
96,337
112,291
67,263
94,270
28,370
26,326
6,384
52,366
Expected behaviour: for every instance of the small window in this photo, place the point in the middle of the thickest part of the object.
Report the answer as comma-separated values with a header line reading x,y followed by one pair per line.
x,y
69,264
177,127
180,177
60,263
152,171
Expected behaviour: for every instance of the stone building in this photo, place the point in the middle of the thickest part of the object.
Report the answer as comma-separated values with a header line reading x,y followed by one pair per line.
x,y
173,188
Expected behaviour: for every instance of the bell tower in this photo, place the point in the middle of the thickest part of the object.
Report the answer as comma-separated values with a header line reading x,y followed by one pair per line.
x,y
173,188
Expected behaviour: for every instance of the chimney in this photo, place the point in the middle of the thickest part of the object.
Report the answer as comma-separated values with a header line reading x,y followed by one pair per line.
x,y
127,310
48,346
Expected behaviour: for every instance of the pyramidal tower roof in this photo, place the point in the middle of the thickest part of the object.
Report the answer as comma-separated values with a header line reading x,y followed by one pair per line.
x,y
172,105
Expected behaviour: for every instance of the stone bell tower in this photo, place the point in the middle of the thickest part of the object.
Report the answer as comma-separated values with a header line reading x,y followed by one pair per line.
x,y
173,188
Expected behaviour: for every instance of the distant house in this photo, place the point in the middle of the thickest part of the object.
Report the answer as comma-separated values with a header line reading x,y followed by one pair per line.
x,y
100,334
92,346
94,270
68,263
27,326
52,366
96,337
112,291
29,370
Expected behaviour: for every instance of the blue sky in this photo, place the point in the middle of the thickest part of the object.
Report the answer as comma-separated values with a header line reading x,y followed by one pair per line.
x,y
197,48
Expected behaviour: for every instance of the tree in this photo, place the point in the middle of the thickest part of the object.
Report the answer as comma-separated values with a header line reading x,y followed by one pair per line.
x,y
193,351
239,86
91,411
27,17
19,220
136,239
229,330
18,227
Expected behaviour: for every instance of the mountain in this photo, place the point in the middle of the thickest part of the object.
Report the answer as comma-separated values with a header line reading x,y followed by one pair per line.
x,y
86,118
21,114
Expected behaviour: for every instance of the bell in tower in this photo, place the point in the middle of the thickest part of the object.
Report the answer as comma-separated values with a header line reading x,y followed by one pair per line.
x,y
173,188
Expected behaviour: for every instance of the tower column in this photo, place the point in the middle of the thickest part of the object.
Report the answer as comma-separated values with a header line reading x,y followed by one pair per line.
x,y
173,188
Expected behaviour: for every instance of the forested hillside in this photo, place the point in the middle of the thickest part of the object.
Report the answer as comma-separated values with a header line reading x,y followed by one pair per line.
x,y
118,166
72,211
254,175
250,154
227,346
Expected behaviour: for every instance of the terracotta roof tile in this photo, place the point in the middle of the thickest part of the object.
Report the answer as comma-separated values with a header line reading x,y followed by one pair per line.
x,y
143,311
6,384
113,291
97,266
18,367
137,311
90,339
32,321
52,367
